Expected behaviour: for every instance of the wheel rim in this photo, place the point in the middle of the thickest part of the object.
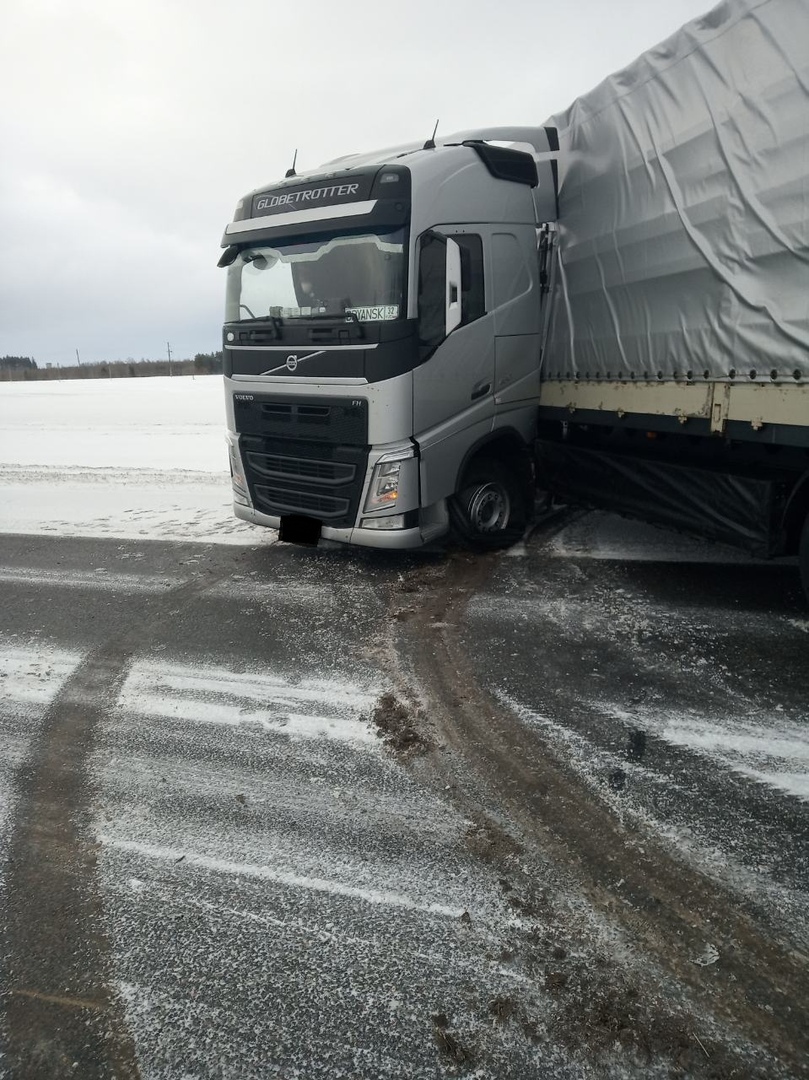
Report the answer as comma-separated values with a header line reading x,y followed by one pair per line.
x,y
489,508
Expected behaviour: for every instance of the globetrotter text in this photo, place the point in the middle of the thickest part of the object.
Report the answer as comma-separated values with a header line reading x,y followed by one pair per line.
x,y
313,195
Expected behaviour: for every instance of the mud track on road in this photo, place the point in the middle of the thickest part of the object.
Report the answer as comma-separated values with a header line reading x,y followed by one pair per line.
x,y
62,1015
744,1018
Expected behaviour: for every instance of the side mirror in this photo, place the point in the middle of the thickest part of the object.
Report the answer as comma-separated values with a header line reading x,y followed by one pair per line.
x,y
228,256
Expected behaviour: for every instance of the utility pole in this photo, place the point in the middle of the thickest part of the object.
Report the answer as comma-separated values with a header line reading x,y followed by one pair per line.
x,y
78,358
168,349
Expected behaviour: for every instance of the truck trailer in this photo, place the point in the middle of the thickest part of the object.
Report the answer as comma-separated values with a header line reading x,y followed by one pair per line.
x,y
613,306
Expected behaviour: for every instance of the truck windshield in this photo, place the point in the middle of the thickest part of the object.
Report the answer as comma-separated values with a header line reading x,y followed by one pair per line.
x,y
361,275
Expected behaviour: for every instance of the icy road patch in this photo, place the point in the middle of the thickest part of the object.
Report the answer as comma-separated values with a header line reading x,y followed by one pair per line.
x,y
269,869
311,708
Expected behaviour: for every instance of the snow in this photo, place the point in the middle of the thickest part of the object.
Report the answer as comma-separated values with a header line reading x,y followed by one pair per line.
x,y
613,538
129,459
774,751
718,857
220,696
269,873
765,742
148,423
774,755
33,675
237,849
100,579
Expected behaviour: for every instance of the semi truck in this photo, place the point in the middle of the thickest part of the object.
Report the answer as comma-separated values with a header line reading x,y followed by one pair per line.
x,y
612,307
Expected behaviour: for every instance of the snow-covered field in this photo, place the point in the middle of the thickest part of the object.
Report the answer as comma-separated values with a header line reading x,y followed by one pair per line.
x,y
130,459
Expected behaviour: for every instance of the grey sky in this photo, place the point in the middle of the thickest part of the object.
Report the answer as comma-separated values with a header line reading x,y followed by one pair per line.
x,y
129,131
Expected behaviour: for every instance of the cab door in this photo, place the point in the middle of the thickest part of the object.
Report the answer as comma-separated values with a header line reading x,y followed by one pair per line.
x,y
518,298
453,388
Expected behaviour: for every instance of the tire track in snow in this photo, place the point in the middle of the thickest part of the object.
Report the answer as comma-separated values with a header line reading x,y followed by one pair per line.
x,y
62,1013
31,675
59,1007
551,807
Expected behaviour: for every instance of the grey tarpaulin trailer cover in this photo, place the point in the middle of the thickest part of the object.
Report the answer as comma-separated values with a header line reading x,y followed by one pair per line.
x,y
684,207
675,373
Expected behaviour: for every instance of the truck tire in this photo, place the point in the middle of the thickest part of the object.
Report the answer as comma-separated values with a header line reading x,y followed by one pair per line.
x,y
803,557
491,507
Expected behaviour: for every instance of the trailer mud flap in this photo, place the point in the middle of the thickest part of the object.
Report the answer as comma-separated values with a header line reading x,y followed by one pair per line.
x,y
297,529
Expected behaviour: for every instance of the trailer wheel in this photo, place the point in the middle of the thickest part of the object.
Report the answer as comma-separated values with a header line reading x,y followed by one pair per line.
x,y
803,557
490,508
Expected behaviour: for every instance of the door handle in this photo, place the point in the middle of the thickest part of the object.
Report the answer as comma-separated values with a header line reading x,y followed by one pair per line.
x,y
480,390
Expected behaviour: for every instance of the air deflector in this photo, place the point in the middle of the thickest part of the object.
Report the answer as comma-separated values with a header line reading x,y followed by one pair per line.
x,y
505,163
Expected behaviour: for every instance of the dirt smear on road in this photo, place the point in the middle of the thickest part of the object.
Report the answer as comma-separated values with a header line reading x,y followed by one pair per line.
x,y
551,839
401,726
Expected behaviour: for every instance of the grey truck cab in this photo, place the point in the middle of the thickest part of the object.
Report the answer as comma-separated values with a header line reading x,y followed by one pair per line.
x,y
382,341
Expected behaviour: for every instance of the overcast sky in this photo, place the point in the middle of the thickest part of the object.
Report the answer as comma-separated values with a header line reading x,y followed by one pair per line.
x,y
130,130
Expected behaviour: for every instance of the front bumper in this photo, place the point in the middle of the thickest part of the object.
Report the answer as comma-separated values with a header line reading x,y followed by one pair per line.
x,y
393,539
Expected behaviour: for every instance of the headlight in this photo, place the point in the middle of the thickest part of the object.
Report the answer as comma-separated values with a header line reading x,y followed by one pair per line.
x,y
384,489
236,470
394,481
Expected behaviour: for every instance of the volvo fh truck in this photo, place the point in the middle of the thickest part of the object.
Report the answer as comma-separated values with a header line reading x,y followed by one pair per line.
x,y
382,341
614,305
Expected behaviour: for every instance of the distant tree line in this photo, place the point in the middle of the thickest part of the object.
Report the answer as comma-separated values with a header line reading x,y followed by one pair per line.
x,y
17,363
208,363
13,368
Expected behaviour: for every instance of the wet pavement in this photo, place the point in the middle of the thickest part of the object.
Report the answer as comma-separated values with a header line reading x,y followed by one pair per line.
x,y
679,690
211,864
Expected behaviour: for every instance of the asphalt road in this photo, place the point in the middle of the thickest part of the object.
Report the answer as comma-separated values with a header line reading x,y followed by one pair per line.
x,y
279,812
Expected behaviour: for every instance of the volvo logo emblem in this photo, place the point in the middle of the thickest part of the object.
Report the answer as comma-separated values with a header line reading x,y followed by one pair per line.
x,y
291,362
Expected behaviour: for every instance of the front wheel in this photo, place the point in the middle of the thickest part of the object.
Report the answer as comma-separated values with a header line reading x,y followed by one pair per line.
x,y
490,508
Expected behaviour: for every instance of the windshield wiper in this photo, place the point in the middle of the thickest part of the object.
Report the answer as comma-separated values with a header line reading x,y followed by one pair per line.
x,y
275,322
352,316
338,318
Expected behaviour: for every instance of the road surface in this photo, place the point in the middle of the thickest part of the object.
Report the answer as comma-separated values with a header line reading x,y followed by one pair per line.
x,y
279,812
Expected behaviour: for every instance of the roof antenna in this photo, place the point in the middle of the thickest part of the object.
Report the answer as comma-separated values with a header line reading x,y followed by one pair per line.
x,y
291,172
430,144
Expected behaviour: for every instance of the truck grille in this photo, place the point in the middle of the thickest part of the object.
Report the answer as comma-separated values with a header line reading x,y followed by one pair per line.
x,y
280,501
276,467
338,421
295,477
304,455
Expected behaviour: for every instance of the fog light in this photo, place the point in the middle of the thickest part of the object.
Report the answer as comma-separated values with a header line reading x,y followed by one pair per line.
x,y
394,521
